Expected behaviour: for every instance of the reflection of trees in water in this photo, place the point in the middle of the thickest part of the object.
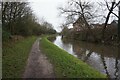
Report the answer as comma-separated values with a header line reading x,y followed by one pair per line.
x,y
117,71
116,67
84,50
107,51
88,55
66,41
80,50
105,66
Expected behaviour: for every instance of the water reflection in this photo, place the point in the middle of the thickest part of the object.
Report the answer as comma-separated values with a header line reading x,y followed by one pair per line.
x,y
105,59
66,46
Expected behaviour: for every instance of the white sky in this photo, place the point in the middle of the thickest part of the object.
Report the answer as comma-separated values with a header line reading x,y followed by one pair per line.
x,y
47,9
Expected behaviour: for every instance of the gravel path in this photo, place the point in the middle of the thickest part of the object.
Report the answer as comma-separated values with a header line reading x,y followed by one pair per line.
x,y
37,65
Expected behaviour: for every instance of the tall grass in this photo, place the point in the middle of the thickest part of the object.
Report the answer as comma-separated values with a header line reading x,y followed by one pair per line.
x,y
15,57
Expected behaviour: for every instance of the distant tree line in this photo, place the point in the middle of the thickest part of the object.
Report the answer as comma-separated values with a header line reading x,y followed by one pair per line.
x,y
18,19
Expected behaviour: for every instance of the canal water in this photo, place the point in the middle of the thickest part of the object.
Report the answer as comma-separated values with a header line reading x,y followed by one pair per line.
x,y
105,59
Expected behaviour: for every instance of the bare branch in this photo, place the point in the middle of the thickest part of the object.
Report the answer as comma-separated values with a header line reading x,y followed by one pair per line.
x,y
115,14
107,5
117,4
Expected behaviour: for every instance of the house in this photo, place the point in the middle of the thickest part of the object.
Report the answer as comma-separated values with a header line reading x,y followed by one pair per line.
x,y
79,24
114,23
96,25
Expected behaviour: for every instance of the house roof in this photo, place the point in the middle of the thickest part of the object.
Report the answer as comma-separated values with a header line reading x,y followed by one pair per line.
x,y
114,21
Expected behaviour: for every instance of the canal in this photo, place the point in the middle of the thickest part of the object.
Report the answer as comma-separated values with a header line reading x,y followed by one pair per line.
x,y
105,59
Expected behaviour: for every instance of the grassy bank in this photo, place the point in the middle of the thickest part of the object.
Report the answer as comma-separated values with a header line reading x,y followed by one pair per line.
x,y
15,57
66,65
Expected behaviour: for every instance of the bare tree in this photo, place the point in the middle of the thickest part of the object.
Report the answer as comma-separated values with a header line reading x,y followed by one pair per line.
x,y
82,10
110,9
11,11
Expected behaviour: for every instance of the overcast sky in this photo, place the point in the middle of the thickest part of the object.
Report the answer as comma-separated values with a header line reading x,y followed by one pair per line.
x,y
47,9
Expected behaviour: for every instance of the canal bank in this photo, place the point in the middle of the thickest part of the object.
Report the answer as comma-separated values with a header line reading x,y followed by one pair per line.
x,y
66,65
106,59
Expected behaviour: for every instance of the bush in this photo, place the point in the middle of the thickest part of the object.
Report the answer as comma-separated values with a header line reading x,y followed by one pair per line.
x,y
5,35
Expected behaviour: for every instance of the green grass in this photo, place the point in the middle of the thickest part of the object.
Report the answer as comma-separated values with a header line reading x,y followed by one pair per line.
x,y
15,57
66,65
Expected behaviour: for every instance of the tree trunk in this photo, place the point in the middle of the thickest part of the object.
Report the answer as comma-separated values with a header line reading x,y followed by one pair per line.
x,y
107,19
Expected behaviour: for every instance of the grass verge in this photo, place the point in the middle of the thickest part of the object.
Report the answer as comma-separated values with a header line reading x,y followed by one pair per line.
x,y
66,65
15,57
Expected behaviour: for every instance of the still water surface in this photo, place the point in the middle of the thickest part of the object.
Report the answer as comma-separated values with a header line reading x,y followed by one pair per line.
x,y
105,59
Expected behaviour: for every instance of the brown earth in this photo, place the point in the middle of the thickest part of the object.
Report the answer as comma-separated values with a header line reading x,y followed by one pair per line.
x,y
37,65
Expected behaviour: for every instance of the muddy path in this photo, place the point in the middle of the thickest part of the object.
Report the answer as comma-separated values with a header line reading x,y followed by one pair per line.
x,y
37,65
